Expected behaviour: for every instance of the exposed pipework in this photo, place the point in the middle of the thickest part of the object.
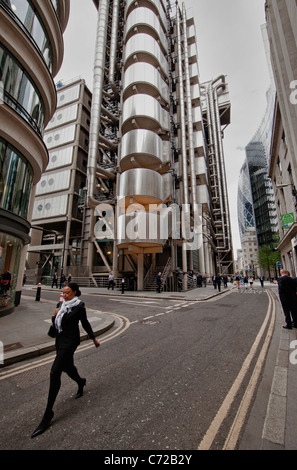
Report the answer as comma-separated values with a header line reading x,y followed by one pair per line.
x,y
184,143
223,170
182,109
215,132
113,46
98,78
190,130
189,110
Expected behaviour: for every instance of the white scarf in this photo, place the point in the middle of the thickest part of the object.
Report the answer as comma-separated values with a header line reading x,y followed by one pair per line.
x,y
65,308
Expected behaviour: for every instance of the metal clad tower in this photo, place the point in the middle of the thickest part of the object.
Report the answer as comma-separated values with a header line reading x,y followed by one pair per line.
x,y
151,193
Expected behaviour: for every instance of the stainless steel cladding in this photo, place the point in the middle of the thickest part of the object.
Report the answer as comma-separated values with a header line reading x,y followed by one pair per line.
x,y
145,78
144,48
142,148
141,185
146,112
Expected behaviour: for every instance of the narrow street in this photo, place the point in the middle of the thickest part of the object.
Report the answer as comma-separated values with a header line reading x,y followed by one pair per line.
x,y
169,375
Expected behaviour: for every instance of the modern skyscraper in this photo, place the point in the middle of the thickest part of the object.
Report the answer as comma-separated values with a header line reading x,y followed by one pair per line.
x,y
156,192
256,203
31,53
156,144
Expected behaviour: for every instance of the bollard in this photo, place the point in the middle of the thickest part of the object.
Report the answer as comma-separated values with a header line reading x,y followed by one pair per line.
x,y
38,292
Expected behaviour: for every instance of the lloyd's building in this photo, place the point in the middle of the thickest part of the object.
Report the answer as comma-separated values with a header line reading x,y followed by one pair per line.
x,y
156,184
155,192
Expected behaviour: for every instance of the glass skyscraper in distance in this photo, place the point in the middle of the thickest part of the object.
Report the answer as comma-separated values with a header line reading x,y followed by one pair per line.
x,y
256,202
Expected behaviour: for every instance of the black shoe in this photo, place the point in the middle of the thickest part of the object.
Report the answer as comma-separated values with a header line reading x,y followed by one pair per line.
x,y
80,390
287,327
44,424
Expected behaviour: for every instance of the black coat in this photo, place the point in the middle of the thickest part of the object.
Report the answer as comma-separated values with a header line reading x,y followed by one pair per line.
x,y
287,290
70,335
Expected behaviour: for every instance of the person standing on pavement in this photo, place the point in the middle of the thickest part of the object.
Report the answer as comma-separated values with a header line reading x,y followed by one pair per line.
x,y
55,280
218,280
66,321
287,290
159,282
110,281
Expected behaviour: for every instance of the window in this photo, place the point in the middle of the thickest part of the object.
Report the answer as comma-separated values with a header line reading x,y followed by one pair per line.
x,y
15,181
20,92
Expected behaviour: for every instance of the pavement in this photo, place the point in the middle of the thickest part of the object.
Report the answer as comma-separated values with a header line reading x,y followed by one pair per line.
x,y
24,335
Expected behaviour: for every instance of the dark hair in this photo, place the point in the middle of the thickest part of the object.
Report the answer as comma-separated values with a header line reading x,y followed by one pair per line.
x,y
75,288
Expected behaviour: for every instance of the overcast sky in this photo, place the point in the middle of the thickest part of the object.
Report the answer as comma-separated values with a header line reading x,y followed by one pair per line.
x,y
229,42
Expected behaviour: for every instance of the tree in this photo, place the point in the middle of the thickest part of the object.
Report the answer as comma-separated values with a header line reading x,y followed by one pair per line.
x,y
268,257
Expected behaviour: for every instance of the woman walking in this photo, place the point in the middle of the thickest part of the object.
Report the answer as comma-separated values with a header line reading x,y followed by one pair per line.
x,y
66,322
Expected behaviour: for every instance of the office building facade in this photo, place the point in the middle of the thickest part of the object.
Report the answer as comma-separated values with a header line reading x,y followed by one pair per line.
x,y
282,32
156,193
31,52
59,205
156,153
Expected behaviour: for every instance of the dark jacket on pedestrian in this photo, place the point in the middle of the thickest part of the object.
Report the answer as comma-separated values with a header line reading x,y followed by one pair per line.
x,y
70,336
287,289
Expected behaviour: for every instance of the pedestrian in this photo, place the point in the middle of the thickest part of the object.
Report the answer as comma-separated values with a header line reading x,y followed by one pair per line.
x,y
24,279
55,280
225,280
159,282
262,281
204,280
199,280
62,280
218,281
214,281
237,281
110,281
66,323
245,281
251,282
287,293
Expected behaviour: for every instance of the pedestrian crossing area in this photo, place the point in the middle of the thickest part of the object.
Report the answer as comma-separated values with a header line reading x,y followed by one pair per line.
x,y
252,291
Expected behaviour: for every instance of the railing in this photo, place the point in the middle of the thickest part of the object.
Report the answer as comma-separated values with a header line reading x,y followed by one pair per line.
x,y
166,271
13,103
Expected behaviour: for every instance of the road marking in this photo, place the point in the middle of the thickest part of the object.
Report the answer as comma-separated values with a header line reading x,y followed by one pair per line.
x,y
222,413
124,323
234,432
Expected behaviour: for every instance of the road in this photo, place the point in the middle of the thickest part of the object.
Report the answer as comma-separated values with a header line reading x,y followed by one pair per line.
x,y
170,375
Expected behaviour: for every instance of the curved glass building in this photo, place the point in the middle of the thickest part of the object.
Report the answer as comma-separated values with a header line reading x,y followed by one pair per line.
x,y
256,203
245,209
31,53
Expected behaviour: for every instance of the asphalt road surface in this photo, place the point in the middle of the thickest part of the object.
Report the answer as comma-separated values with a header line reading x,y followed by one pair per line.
x,y
170,375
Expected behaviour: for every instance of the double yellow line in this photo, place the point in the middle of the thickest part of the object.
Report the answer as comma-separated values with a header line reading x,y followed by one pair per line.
x,y
232,438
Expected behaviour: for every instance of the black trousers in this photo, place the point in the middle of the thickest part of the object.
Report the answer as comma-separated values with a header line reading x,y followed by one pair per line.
x,y
290,313
64,362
